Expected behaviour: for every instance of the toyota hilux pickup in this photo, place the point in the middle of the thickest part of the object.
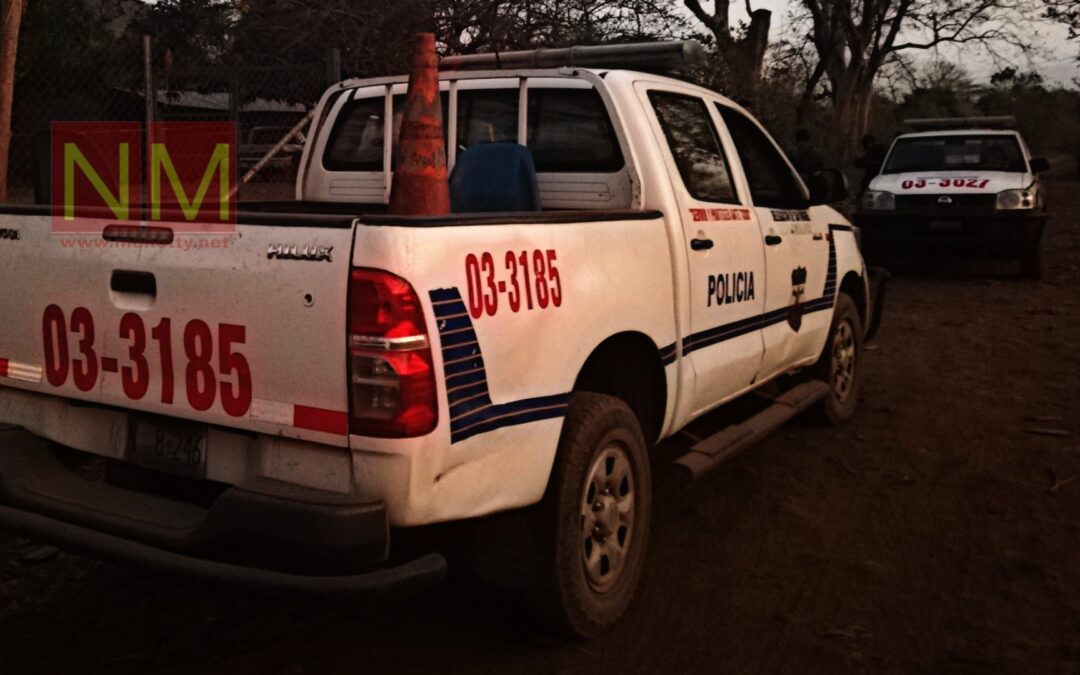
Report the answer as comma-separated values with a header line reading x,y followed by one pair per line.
x,y
961,188
277,409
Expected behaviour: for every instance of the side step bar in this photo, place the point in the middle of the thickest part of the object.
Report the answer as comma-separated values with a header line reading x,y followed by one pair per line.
x,y
713,451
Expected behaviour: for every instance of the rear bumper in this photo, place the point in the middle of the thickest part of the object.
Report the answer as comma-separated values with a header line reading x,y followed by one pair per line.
x,y
388,582
944,234
297,544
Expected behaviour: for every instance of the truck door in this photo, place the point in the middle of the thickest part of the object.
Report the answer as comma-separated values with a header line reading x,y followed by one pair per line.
x,y
726,263
798,249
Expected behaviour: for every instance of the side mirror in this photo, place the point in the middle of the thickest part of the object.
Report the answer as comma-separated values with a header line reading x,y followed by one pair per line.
x,y
1039,164
828,186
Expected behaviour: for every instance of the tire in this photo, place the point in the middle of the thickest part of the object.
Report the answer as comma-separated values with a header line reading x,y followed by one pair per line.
x,y
840,365
596,510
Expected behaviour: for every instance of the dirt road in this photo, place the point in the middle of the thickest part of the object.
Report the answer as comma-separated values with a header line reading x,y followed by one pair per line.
x,y
939,532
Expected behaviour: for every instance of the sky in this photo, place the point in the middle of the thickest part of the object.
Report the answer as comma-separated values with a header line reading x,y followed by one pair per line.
x,y
1058,65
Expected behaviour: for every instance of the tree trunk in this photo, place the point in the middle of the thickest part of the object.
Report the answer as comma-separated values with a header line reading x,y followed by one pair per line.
x,y
740,64
746,58
756,42
10,20
807,98
852,109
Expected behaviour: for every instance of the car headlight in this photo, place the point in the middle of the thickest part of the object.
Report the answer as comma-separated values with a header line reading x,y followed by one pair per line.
x,y
878,200
1014,200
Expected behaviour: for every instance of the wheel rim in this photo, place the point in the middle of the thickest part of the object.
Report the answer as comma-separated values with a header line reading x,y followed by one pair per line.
x,y
843,359
607,517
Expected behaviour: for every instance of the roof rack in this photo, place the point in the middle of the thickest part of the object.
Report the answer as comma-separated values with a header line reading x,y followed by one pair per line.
x,y
928,123
662,56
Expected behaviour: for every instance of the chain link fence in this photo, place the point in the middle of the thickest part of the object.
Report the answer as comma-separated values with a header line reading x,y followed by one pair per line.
x,y
80,73
264,102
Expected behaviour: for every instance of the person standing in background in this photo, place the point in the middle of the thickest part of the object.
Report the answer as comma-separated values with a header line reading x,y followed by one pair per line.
x,y
871,160
806,157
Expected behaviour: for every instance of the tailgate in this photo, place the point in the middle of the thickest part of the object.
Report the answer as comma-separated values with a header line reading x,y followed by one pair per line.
x,y
211,328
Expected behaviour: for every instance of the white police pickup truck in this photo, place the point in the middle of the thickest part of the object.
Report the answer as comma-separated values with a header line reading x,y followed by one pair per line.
x,y
964,187
269,411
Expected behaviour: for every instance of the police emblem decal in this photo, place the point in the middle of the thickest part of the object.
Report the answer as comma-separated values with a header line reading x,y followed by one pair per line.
x,y
798,288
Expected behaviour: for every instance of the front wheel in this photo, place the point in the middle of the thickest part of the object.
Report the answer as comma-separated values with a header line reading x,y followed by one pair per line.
x,y
840,365
597,512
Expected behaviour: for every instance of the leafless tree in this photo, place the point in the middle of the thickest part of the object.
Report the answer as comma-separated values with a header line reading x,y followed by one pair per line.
x,y
855,39
1066,12
468,26
377,34
741,53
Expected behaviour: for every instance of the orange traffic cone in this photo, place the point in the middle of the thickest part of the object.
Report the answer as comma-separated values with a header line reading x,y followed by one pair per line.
x,y
420,187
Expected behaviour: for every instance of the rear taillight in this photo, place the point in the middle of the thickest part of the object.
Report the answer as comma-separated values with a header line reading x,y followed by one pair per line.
x,y
390,365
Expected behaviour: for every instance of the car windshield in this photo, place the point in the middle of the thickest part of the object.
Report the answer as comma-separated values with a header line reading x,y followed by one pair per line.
x,y
956,153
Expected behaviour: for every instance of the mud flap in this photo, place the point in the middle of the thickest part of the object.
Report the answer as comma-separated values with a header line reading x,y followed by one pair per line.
x,y
879,278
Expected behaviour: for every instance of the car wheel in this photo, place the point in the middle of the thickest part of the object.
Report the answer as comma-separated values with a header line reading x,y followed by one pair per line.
x,y
597,512
840,365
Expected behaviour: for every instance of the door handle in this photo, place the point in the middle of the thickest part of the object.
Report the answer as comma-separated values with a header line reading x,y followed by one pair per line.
x,y
136,283
701,244
773,239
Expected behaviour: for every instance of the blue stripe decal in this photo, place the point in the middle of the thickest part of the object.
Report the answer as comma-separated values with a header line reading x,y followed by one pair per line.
x,y
497,420
830,275
469,405
455,353
728,331
463,366
471,409
466,392
450,309
443,294
455,381
451,338
465,421
455,322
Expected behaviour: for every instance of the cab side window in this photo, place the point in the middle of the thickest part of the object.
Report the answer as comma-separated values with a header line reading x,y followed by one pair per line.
x,y
772,183
487,116
695,146
356,143
570,131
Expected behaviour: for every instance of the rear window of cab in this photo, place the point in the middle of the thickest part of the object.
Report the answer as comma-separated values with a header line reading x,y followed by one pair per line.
x,y
567,130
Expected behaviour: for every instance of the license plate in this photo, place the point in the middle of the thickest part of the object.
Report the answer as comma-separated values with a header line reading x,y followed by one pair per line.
x,y
944,226
167,445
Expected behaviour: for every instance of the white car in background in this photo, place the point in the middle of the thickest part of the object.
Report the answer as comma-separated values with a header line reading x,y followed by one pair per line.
x,y
963,187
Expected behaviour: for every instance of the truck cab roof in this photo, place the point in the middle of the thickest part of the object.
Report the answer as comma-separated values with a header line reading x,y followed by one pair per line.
x,y
588,163
960,132
570,73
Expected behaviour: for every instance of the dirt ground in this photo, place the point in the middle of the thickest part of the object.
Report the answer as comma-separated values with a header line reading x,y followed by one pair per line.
x,y
939,532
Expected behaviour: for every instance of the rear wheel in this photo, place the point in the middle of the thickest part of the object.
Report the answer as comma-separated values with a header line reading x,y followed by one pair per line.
x,y
840,365
596,514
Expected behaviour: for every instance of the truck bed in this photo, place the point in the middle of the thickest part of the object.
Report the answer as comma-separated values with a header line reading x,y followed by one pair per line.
x,y
328,214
